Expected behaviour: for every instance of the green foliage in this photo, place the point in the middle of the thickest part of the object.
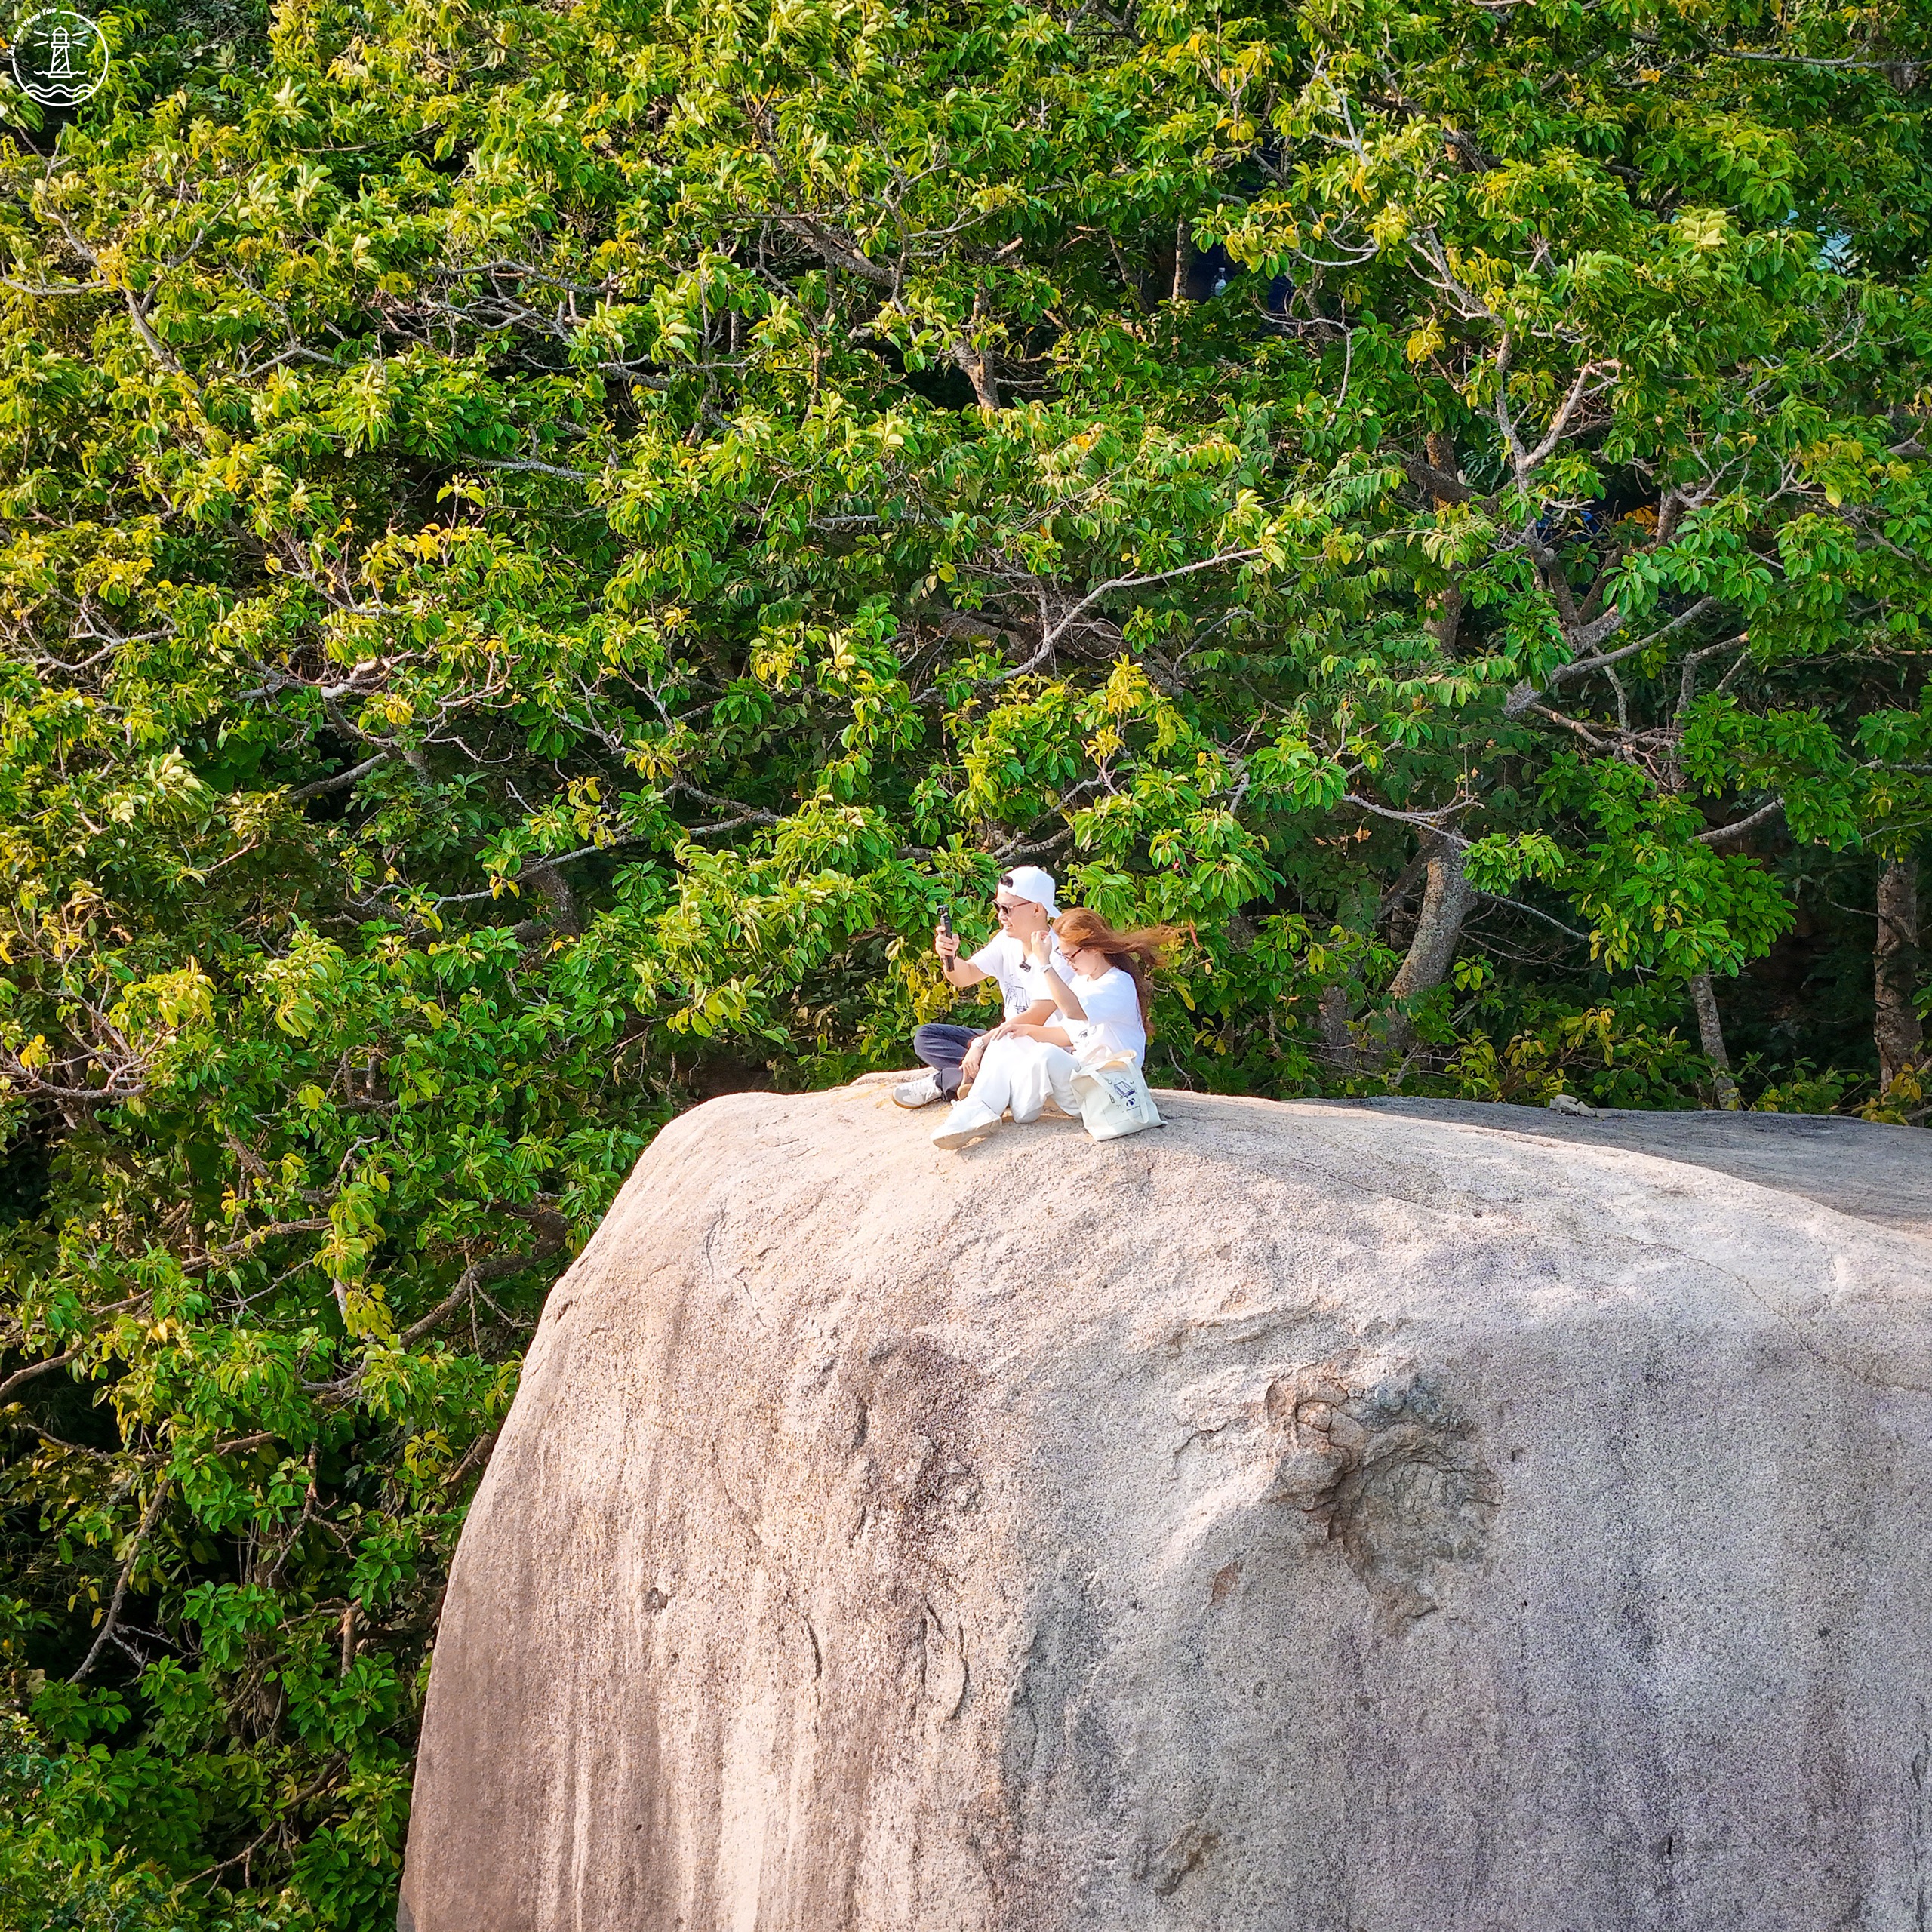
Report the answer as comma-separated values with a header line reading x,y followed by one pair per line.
x,y
542,545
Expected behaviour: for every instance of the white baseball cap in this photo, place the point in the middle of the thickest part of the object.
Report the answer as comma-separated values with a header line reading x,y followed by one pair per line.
x,y
1030,882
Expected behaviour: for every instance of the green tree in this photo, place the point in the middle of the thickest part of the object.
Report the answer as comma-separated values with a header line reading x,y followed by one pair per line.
x,y
542,545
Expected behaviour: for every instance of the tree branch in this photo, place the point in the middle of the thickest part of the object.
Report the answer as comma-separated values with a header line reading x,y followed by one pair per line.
x,y
478,1275
1432,821
158,349
754,813
1059,630
839,251
1535,912
1526,696
538,469
537,861
341,779
148,1518
1724,834
479,1452
21,1377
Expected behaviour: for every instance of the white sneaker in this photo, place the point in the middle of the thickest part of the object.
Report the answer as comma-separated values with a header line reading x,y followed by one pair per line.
x,y
967,1121
920,1092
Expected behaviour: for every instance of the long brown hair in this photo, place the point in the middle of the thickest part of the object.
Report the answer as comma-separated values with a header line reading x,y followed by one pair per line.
x,y
1136,953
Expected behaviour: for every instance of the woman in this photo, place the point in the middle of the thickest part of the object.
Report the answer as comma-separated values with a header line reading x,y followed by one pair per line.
x,y
1103,1011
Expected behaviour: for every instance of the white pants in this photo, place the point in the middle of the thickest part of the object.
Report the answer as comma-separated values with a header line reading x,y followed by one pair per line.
x,y
1018,1074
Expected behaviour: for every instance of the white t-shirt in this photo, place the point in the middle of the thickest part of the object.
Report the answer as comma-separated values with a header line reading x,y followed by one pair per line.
x,y
1113,1022
1021,983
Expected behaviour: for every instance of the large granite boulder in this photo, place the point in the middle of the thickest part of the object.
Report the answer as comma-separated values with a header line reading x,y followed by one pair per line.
x,y
1308,1518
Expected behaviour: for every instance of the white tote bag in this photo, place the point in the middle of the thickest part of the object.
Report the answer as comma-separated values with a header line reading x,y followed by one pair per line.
x,y
1114,1099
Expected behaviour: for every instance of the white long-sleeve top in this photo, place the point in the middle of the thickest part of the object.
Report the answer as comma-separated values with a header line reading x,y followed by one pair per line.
x,y
1113,1022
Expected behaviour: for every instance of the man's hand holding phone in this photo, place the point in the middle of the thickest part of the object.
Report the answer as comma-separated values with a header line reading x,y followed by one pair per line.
x,y
945,943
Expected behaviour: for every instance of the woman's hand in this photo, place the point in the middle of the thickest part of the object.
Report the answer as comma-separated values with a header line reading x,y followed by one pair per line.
x,y
1024,1030
1063,996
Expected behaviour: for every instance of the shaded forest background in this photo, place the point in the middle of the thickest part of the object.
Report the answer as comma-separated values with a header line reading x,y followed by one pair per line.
x,y
543,544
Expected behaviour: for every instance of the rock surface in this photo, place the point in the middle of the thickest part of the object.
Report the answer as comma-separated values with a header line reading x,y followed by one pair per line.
x,y
1308,1518
1875,1173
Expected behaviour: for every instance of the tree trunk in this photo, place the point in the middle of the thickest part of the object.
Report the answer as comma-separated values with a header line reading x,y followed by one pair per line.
x,y
1397,897
1900,1037
559,903
1710,1033
1446,900
1341,1045
1334,1015
972,362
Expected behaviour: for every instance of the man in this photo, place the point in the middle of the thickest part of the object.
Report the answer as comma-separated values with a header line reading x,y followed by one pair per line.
x,y
1024,905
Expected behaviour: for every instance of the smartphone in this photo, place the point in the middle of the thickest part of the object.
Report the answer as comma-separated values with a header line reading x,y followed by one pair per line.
x,y
946,924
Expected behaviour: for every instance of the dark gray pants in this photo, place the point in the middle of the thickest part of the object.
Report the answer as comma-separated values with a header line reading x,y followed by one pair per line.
x,y
942,1046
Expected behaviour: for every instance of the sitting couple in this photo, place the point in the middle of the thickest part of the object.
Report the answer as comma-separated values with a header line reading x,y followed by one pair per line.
x,y
1076,995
